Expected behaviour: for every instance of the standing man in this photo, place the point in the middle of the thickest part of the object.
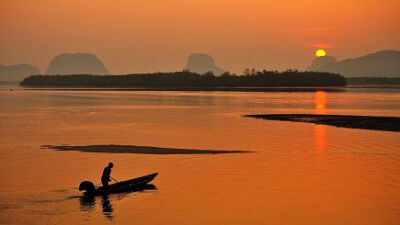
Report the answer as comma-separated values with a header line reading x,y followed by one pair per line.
x,y
105,178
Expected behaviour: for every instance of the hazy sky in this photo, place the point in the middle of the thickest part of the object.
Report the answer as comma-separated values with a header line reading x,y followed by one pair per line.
x,y
158,35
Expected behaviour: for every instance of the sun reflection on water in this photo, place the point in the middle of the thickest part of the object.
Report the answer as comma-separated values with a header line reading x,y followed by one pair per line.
x,y
320,138
320,101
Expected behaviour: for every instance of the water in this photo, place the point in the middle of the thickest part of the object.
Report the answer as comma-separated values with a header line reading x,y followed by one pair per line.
x,y
298,173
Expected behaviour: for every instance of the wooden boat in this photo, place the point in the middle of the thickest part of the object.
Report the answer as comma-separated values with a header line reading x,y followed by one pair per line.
x,y
127,185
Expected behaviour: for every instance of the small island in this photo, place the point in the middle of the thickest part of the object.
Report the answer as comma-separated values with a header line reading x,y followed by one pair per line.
x,y
135,149
346,121
184,79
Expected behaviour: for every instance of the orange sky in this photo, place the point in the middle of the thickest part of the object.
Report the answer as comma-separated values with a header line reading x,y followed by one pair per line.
x,y
158,35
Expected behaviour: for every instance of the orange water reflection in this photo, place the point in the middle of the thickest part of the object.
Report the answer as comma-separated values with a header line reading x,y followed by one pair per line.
x,y
320,102
289,175
320,139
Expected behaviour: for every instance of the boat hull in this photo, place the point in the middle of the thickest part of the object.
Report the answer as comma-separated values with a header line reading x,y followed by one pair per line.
x,y
123,186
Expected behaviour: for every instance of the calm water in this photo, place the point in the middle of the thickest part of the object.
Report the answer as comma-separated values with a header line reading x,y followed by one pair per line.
x,y
299,173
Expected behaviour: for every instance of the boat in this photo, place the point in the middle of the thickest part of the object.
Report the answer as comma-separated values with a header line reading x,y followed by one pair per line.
x,y
127,185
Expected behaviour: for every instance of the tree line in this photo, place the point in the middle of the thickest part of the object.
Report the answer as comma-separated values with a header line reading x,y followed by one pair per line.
x,y
250,78
373,80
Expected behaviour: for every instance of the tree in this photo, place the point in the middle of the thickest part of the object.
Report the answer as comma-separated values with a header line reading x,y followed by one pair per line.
x,y
209,74
246,72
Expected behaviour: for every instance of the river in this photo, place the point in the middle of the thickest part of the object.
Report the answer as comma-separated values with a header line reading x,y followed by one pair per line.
x,y
296,173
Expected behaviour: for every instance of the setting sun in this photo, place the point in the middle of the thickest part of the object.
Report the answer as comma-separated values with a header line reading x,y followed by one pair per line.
x,y
320,53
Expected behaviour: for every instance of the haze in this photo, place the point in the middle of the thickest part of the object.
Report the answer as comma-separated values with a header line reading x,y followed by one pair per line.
x,y
155,35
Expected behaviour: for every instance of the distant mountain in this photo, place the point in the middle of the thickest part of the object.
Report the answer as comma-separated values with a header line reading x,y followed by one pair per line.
x,y
78,63
320,62
202,63
379,64
17,72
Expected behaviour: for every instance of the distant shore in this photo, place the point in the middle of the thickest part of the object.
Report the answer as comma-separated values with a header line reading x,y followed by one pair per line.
x,y
187,79
374,81
345,121
195,89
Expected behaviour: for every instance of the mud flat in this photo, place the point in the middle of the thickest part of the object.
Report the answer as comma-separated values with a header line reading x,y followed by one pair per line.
x,y
134,149
356,122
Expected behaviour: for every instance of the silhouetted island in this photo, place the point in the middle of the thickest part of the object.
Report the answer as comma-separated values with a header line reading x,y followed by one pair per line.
x,y
135,149
17,72
202,63
359,122
379,64
76,63
321,62
289,78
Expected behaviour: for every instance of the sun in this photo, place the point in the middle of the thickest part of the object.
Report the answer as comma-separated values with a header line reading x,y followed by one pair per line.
x,y
320,53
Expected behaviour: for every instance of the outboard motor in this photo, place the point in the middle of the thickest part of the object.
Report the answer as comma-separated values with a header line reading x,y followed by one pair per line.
x,y
88,187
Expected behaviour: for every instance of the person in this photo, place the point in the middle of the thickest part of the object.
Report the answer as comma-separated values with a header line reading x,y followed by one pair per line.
x,y
105,178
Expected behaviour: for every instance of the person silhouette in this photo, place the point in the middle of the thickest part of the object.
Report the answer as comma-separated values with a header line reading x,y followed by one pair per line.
x,y
105,178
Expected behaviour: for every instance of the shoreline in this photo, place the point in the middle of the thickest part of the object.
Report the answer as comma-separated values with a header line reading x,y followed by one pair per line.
x,y
216,89
229,89
136,149
344,121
